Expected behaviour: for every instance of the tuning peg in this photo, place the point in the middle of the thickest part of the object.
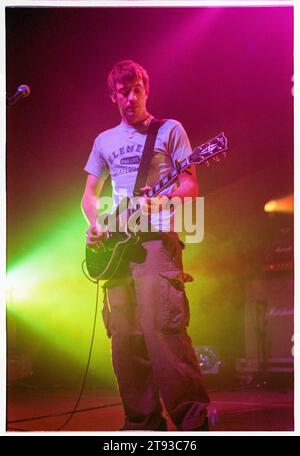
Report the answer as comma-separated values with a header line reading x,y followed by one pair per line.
x,y
207,163
217,159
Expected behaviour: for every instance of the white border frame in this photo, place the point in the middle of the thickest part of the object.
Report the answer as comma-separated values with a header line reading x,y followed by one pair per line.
x,y
145,3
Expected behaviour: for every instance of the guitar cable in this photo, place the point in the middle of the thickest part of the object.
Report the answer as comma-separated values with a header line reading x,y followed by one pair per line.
x,y
88,361
74,410
86,275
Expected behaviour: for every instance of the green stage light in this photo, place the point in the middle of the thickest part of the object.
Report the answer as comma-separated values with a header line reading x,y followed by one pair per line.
x,y
48,294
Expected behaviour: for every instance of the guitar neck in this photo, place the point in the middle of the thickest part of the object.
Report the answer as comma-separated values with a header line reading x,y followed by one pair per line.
x,y
201,154
168,178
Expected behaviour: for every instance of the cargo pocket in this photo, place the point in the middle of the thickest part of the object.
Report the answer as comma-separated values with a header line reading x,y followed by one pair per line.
x,y
173,314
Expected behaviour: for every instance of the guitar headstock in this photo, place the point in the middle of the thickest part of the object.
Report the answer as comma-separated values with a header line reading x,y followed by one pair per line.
x,y
214,149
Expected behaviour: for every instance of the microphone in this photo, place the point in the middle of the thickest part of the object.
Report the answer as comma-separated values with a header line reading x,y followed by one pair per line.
x,y
22,92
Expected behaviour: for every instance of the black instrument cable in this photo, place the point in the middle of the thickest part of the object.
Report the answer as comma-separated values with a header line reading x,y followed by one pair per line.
x,y
74,410
89,357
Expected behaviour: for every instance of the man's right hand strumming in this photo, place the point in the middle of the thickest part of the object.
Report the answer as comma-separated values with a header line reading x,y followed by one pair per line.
x,y
94,236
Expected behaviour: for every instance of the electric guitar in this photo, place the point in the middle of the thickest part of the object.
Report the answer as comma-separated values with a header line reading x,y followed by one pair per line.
x,y
103,261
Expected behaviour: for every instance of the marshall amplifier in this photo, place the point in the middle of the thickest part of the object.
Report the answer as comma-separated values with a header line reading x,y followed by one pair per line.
x,y
269,324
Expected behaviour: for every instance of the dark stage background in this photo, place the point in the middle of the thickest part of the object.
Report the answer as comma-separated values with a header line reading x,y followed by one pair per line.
x,y
214,69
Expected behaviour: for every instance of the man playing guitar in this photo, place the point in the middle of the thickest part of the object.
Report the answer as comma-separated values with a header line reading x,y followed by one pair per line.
x,y
145,310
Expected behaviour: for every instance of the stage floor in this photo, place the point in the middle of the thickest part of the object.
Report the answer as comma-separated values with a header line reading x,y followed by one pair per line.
x,y
101,411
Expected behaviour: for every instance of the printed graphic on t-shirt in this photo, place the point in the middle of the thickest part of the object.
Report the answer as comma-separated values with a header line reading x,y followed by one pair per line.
x,y
122,163
126,170
129,149
130,160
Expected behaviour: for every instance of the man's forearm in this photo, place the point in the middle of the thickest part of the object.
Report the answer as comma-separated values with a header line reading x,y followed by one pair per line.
x,y
89,207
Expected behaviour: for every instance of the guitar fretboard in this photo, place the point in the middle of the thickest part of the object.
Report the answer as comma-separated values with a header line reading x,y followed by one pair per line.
x,y
167,179
199,155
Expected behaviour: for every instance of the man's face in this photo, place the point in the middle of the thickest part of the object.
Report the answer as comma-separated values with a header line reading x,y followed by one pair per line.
x,y
131,99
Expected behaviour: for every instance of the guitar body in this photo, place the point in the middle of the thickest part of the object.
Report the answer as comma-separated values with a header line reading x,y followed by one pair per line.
x,y
104,261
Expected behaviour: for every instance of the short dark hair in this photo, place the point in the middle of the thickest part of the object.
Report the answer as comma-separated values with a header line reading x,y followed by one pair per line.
x,y
126,71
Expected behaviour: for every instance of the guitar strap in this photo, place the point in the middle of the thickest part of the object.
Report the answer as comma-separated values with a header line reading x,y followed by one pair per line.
x,y
147,155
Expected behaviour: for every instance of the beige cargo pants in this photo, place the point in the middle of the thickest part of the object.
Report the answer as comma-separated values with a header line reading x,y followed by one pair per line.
x,y
146,313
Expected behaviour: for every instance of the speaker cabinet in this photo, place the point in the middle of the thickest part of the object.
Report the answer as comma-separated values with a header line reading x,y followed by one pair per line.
x,y
269,323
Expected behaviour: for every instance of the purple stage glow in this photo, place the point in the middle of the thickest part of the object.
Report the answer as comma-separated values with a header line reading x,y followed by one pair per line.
x,y
213,69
